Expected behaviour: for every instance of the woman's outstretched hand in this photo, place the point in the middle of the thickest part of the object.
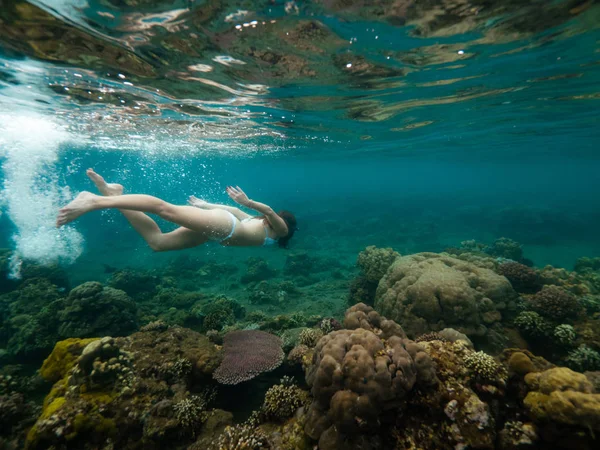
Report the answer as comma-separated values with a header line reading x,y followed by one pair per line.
x,y
195,201
237,195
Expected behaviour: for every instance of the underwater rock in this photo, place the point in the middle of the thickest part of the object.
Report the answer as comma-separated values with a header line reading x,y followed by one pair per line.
x,y
428,292
301,264
247,354
130,390
374,262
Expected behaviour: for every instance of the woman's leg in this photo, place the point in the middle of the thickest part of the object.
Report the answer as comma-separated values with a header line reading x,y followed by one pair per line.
x,y
207,222
179,239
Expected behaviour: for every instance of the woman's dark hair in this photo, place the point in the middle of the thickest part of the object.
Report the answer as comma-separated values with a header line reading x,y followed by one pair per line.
x,y
290,221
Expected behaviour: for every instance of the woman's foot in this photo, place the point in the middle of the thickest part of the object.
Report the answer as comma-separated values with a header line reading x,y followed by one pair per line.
x,y
82,204
107,189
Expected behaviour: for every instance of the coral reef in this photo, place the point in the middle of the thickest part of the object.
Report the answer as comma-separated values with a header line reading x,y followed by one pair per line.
x,y
563,396
310,336
483,365
282,400
365,317
355,376
555,303
583,358
257,270
247,354
506,248
428,292
374,262
133,391
524,279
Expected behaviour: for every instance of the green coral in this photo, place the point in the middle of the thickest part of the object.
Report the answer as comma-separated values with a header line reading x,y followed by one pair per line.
x,y
483,365
192,412
282,400
220,313
240,437
310,336
374,262
583,358
63,358
565,335
532,324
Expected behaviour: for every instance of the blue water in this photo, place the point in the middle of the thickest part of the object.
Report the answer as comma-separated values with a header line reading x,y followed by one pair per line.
x,y
481,128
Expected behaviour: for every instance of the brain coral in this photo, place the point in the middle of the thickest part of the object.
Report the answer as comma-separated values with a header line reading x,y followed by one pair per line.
x,y
355,376
429,291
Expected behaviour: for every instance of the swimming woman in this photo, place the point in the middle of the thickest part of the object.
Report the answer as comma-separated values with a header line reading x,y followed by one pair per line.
x,y
200,222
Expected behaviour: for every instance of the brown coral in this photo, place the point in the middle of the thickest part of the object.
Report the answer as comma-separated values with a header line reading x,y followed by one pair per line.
x,y
248,353
524,279
365,317
555,303
563,396
355,376
374,262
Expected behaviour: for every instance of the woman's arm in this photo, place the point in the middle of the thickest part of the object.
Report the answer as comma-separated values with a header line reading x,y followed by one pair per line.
x,y
276,222
198,203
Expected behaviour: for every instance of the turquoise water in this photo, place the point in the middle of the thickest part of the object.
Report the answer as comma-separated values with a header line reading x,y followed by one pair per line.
x,y
420,126
416,129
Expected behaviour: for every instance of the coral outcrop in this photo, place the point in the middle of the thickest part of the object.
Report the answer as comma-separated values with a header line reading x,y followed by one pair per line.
x,y
247,354
428,292
134,391
355,377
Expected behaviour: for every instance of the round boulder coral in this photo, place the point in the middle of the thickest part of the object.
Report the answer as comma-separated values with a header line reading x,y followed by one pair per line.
x,y
355,376
365,317
428,292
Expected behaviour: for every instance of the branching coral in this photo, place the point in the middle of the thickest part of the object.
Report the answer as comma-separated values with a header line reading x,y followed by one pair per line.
x,y
533,325
310,336
523,278
483,366
583,358
240,437
555,303
282,401
374,262
564,335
